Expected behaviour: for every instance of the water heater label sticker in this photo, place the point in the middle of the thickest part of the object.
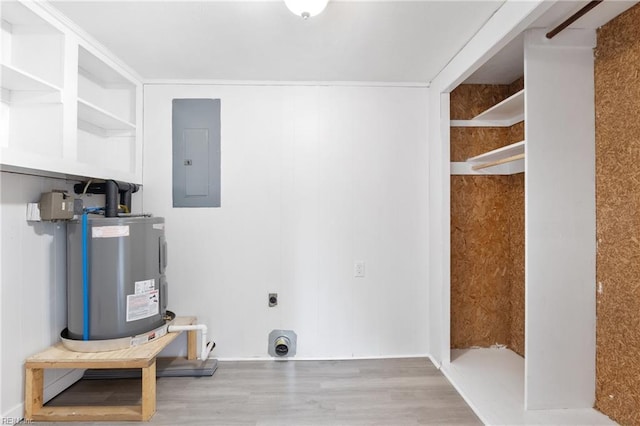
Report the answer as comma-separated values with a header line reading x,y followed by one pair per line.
x,y
145,305
147,337
158,226
145,286
110,231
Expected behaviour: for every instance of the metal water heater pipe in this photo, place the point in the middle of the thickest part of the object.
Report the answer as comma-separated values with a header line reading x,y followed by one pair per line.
x,y
116,194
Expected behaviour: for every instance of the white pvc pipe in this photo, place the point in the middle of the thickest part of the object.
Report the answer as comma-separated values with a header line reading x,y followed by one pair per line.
x,y
206,347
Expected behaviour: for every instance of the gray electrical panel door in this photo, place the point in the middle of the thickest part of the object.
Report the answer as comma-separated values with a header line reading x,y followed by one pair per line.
x,y
196,152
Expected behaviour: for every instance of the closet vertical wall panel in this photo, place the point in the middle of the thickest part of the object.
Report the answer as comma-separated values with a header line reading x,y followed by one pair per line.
x,y
516,243
560,220
617,84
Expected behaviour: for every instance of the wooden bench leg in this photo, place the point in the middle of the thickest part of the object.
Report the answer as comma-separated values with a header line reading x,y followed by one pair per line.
x,y
149,391
192,344
33,392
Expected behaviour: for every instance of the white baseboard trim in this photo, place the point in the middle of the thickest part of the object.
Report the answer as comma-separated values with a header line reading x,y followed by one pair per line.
x,y
338,358
435,363
464,396
50,391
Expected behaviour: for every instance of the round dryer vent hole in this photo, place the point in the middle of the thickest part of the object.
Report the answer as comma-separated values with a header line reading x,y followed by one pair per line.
x,y
282,343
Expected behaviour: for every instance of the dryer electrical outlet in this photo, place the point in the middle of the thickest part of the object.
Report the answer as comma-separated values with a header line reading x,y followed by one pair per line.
x,y
273,299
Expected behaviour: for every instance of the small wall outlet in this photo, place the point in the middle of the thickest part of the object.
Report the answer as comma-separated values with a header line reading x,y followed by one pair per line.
x,y
273,299
358,269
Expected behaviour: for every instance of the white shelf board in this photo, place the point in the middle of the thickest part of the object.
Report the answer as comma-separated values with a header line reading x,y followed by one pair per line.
x,y
42,165
96,70
499,154
15,79
510,109
492,382
505,114
465,168
17,14
101,119
510,168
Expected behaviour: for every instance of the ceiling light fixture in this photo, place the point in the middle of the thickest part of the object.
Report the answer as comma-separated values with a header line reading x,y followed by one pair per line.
x,y
306,8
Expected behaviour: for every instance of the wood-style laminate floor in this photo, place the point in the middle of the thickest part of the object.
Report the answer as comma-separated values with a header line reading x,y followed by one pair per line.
x,y
355,392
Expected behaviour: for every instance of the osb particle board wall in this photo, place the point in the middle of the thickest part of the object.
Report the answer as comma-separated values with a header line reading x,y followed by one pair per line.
x,y
487,231
617,84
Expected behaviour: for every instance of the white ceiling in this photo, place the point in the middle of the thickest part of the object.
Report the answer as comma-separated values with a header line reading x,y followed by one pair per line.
x,y
369,41
508,64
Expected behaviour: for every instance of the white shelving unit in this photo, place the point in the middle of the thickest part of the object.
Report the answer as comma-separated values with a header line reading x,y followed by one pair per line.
x,y
68,107
106,114
31,83
507,160
555,382
505,114
32,44
102,87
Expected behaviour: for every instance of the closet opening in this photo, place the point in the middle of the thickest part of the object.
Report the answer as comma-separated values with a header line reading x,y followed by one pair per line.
x,y
487,217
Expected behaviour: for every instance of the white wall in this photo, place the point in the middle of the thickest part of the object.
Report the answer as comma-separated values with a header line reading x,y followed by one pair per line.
x,y
32,288
313,179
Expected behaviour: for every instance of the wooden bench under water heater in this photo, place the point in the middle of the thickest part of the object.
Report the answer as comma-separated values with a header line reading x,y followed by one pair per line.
x,y
58,356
